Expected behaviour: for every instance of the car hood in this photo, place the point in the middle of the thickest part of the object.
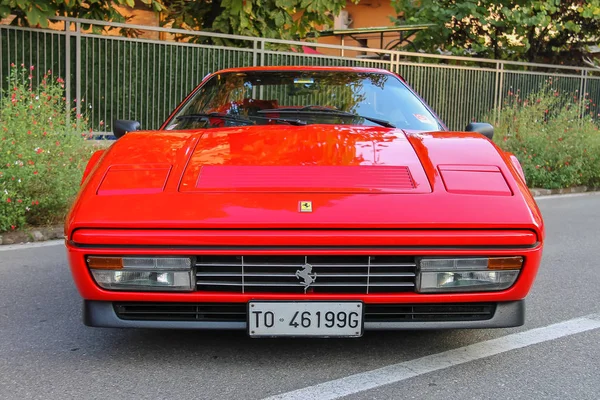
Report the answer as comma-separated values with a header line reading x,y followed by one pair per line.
x,y
305,159
257,177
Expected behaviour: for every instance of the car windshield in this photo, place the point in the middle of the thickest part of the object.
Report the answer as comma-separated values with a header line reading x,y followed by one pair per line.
x,y
304,97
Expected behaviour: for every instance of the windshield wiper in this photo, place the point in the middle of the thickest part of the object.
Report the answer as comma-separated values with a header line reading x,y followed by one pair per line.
x,y
381,122
319,110
217,115
288,121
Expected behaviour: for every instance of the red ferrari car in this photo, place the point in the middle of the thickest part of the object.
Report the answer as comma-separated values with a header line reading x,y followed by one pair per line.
x,y
304,201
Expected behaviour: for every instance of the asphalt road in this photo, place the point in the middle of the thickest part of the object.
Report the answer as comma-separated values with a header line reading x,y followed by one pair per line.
x,y
47,353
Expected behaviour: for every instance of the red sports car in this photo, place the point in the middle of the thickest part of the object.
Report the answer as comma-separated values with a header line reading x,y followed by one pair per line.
x,y
304,201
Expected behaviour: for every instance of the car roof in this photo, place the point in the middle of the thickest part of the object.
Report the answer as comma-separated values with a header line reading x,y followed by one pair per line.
x,y
307,68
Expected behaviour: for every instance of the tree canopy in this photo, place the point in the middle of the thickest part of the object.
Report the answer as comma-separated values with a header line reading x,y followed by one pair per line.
x,y
282,19
37,12
553,31
285,19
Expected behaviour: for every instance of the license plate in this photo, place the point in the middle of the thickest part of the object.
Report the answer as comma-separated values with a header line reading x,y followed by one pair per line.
x,y
305,318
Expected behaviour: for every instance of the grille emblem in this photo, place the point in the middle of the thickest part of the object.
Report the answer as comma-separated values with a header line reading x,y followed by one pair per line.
x,y
306,276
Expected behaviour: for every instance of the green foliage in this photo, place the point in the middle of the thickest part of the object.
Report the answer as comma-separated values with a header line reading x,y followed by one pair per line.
x,y
553,136
42,153
280,19
37,12
540,30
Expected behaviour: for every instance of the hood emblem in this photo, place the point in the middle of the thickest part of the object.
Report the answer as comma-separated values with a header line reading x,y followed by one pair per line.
x,y
306,276
305,206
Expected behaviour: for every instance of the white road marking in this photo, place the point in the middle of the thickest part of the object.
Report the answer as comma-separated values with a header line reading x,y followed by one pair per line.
x,y
409,369
562,196
25,246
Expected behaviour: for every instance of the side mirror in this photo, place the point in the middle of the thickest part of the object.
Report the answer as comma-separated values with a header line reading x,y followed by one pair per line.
x,y
484,128
122,126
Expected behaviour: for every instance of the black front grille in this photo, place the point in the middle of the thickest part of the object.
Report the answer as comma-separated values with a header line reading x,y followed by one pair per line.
x,y
236,312
182,311
428,312
291,274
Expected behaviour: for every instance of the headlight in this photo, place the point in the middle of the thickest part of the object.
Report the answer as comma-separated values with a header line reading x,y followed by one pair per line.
x,y
438,275
142,273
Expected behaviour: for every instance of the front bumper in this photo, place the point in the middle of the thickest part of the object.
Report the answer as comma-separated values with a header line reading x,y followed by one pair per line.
x,y
500,315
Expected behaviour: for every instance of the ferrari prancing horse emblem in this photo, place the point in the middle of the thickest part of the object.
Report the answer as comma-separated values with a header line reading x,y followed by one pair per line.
x,y
305,206
306,276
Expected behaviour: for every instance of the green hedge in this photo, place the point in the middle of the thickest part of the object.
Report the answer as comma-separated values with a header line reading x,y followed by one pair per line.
x,y
554,136
42,152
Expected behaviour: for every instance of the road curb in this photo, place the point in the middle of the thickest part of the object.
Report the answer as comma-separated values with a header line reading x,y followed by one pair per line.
x,y
30,235
31,245
549,192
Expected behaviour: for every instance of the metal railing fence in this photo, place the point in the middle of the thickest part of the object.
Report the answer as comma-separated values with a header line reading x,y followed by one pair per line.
x,y
113,77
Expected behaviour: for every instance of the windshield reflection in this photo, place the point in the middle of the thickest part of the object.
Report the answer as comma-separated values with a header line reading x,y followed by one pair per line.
x,y
304,97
